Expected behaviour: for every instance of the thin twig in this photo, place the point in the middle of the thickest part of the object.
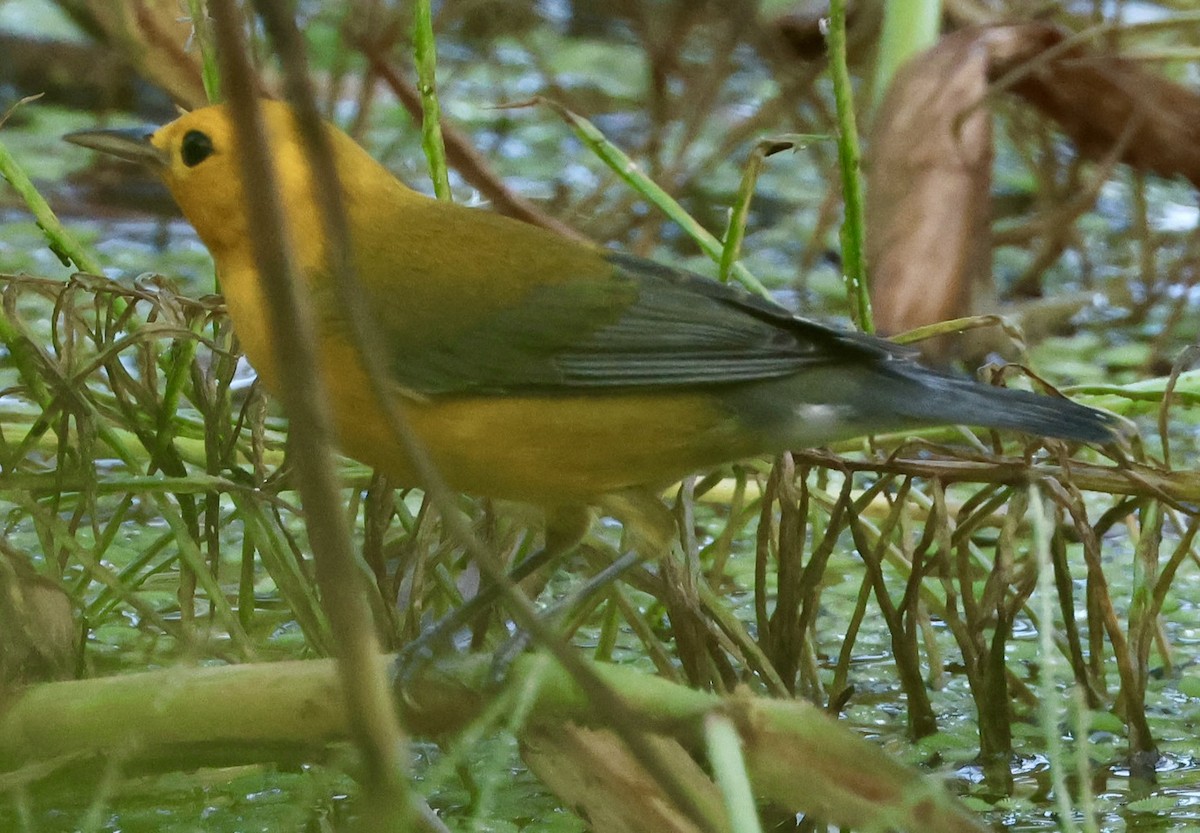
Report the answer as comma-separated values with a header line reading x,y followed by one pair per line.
x,y
375,727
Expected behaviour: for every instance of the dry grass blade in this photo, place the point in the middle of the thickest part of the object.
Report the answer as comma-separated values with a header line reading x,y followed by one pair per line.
x,y
593,771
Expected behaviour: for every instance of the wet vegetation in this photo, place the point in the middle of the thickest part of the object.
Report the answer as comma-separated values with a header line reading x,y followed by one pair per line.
x,y
1011,624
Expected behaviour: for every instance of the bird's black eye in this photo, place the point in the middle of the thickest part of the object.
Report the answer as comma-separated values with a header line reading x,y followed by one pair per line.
x,y
196,148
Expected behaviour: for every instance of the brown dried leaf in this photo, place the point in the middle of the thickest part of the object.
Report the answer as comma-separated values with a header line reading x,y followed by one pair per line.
x,y
931,153
927,187
1105,102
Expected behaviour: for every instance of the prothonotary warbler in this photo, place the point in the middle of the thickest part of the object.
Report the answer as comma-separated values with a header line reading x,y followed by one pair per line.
x,y
547,370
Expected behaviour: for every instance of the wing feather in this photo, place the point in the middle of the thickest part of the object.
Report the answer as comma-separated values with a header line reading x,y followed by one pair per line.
x,y
642,326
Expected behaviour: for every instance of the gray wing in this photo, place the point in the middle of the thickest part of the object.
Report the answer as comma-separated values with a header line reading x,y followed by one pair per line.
x,y
646,326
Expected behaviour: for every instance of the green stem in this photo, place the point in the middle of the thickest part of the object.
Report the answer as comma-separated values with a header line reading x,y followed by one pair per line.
x,y
909,26
729,770
425,55
735,231
627,170
1052,678
68,250
202,32
849,157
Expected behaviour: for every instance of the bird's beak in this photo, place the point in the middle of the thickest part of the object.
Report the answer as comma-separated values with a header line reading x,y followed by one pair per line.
x,y
132,144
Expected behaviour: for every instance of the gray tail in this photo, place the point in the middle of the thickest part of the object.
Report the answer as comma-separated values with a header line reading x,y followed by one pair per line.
x,y
949,399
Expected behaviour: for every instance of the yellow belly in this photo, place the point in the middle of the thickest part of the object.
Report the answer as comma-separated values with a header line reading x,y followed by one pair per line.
x,y
553,450
548,450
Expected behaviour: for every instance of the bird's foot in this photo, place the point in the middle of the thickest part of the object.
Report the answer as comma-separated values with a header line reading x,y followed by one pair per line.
x,y
515,645
417,655
436,640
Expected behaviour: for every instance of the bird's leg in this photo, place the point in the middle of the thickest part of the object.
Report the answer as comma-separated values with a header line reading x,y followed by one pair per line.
x,y
649,532
519,641
650,529
565,528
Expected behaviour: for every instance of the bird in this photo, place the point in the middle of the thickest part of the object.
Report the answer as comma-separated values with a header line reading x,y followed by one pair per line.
x,y
545,370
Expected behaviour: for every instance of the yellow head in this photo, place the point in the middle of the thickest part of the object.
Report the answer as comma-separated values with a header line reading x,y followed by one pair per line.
x,y
198,161
197,157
